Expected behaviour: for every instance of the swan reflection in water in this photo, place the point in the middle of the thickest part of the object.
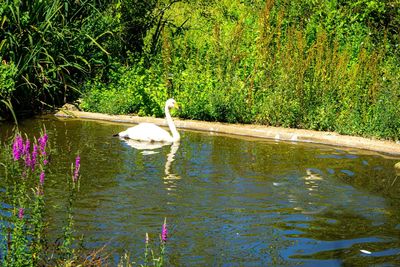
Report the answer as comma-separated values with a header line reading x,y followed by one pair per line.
x,y
148,148
170,158
303,193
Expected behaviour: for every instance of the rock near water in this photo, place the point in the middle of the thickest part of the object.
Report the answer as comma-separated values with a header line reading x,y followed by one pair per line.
x,y
397,167
70,107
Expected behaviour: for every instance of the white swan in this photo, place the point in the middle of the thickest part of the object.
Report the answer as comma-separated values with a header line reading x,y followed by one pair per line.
x,y
149,132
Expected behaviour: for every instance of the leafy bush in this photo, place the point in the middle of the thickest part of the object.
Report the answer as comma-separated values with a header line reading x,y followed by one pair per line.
x,y
309,64
8,72
129,90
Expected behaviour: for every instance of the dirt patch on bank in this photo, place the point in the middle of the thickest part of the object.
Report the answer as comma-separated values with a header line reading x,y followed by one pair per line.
x,y
258,131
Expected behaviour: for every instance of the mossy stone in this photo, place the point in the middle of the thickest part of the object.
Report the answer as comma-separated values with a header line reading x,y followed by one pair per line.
x,y
397,166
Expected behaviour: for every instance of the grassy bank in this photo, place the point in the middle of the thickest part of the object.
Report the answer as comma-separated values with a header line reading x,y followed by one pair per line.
x,y
301,64
313,64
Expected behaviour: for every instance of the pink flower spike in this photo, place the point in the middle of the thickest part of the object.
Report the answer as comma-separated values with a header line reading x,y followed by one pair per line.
x,y
28,160
18,146
26,150
41,178
34,156
77,167
21,213
164,232
43,142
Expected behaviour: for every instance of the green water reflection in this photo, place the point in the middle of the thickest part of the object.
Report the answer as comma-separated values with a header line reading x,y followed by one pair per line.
x,y
229,201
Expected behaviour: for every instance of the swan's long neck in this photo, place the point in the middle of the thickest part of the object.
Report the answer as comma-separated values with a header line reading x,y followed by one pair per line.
x,y
175,135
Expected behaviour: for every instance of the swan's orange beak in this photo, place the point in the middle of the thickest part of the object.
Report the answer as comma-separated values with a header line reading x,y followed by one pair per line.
x,y
176,105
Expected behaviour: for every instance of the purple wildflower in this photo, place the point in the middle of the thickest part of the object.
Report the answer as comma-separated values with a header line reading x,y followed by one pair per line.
x,y
164,232
42,143
18,147
41,178
26,149
21,213
28,160
77,167
34,156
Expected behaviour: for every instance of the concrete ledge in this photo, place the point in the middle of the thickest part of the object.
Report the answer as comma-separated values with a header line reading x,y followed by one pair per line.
x,y
259,131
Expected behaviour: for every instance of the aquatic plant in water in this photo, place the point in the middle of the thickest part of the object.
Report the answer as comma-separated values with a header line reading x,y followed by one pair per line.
x,y
21,213
23,241
18,147
23,232
164,231
24,228
77,167
150,256
42,178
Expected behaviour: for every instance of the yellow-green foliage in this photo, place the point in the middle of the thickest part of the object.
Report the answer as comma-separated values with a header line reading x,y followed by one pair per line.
x,y
129,90
239,62
308,64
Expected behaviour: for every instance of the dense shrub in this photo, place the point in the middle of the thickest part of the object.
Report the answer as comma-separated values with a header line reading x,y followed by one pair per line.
x,y
129,90
307,64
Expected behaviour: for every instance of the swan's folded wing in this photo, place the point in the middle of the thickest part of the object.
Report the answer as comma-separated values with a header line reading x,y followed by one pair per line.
x,y
148,132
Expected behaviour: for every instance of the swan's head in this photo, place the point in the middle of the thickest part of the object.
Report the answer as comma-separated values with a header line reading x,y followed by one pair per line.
x,y
171,103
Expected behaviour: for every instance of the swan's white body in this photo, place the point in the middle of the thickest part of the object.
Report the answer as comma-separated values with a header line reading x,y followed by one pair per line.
x,y
149,132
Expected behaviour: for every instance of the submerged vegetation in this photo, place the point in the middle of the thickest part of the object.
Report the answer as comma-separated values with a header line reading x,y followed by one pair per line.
x,y
324,65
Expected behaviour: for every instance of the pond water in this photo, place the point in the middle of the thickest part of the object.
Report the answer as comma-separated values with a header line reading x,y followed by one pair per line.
x,y
229,201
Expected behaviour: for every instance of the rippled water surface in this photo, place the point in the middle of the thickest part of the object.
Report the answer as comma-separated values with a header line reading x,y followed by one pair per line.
x,y
229,201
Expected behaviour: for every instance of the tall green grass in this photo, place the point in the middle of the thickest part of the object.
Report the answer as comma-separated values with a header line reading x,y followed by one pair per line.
x,y
304,64
47,48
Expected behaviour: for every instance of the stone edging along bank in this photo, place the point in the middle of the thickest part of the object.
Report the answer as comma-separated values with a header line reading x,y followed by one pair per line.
x,y
258,131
